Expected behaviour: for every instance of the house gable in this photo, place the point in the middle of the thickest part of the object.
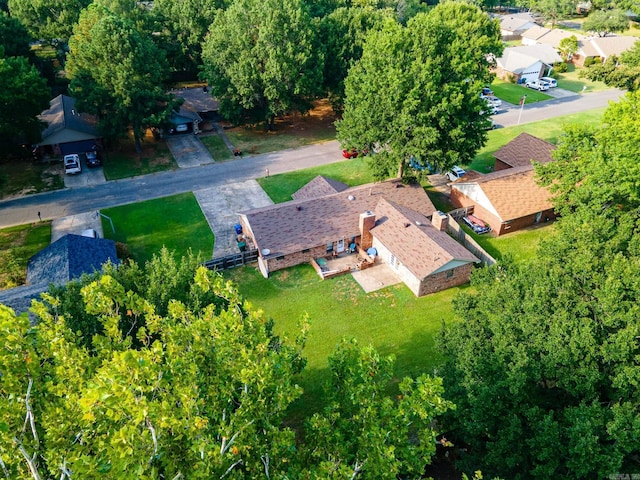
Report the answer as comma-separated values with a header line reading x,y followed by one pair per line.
x,y
65,124
522,150
319,187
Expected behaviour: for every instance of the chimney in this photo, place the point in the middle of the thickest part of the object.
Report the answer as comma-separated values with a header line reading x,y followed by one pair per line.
x,y
366,223
440,220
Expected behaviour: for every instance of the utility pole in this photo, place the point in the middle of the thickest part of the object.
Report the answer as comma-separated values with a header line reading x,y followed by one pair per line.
x,y
522,100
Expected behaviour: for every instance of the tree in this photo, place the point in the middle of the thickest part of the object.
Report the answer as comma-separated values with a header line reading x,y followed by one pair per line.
x,y
604,22
194,393
22,86
116,73
544,363
552,10
342,35
14,38
623,73
415,91
568,47
261,60
362,431
48,19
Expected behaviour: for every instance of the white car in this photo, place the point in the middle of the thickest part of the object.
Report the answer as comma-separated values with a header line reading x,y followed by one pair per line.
x,y
72,164
537,84
553,83
455,173
493,100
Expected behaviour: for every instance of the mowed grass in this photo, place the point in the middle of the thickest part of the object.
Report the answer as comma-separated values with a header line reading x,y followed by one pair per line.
x,y
176,222
549,130
216,146
512,93
17,245
571,80
124,162
351,172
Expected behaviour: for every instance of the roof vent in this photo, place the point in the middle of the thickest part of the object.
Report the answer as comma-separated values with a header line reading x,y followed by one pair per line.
x,y
351,197
407,225
265,252
298,207
419,223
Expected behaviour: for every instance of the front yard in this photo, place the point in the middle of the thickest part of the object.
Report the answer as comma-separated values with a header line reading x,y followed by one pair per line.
x,y
17,245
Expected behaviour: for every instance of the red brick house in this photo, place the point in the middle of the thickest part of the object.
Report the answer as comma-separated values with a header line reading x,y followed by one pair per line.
x,y
509,198
392,217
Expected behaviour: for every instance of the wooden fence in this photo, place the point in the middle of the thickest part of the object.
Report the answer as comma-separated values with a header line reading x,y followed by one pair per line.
x,y
469,243
233,260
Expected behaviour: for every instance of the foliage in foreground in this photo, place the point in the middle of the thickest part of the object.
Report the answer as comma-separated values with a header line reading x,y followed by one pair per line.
x,y
545,364
163,371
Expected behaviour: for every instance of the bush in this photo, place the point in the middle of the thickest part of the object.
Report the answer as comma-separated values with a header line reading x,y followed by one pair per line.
x,y
588,62
561,67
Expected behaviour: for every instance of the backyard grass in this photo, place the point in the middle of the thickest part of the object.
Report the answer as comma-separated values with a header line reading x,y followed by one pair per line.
x,y
280,187
175,222
216,146
22,177
290,132
122,160
17,245
512,93
548,130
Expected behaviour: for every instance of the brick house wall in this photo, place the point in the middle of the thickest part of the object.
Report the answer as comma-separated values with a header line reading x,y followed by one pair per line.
x,y
292,259
447,279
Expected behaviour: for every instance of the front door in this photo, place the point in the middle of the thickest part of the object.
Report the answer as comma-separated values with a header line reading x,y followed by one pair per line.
x,y
340,246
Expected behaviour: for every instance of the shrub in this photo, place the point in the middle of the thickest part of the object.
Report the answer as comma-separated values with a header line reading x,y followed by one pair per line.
x,y
561,67
588,62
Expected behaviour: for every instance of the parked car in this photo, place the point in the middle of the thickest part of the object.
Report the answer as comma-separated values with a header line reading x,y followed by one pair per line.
x,y
418,165
72,164
93,159
537,84
477,225
553,83
493,100
455,173
353,153
486,91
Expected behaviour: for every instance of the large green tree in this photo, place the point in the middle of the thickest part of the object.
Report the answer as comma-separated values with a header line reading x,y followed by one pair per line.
x,y
262,60
551,10
621,73
48,19
23,97
544,365
14,37
198,391
604,22
415,91
117,73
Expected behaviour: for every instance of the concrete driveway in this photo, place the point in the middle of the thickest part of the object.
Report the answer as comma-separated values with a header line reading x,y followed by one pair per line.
x,y
560,93
76,224
86,178
221,206
188,151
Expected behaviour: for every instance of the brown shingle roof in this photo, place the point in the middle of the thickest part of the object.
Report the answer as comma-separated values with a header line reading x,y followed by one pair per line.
x,y
293,226
523,149
319,187
509,194
416,243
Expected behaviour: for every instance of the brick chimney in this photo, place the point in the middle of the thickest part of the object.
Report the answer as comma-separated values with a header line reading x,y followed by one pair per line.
x,y
366,223
440,220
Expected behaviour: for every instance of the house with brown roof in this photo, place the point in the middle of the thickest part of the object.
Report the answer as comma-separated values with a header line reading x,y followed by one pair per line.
x,y
509,198
326,219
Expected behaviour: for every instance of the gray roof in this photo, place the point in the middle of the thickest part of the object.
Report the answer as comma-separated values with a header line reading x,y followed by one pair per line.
x,y
20,298
68,258
196,99
65,123
517,59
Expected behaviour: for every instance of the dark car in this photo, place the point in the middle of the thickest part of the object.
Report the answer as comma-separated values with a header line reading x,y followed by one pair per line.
x,y
477,225
93,159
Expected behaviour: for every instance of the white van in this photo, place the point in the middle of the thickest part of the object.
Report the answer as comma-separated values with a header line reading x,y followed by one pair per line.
x,y
72,164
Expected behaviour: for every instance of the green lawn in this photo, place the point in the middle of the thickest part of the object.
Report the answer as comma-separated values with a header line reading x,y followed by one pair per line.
x,y
571,80
280,187
17,245
216,146
20,177
175,222
548,130
512,93
122,161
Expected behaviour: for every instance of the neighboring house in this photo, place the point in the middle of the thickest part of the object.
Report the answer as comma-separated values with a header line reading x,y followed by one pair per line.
x,y
509,198
64,260
184,121
526,63
512,26
197,111
545,36
602,47
319,187
68,130
424,257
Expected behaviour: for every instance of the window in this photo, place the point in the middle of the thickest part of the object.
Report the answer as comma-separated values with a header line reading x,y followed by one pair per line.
x,y
329,247
450,273
306,250
281,257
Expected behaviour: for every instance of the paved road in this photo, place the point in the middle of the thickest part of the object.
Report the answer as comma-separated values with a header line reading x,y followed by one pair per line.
x,y
83,199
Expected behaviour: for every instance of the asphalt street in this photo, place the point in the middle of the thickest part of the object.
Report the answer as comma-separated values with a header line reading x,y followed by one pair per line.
x,y
75,200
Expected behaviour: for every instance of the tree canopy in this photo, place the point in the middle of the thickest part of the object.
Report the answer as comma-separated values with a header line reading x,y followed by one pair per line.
x,y
416,90
604,22
48,19
544,364
621,73
262,60
117,73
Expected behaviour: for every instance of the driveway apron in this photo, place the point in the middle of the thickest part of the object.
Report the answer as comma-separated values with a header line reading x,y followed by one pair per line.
x,y
189,151
221,206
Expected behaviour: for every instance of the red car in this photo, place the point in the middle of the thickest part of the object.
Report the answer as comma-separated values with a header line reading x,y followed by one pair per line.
x,y
353,153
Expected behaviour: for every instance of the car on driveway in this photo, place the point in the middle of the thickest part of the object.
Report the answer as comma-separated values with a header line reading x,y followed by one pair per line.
x,y
93,159
553,83
455,173
72,164
477,225
493,101
486,91
537,84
